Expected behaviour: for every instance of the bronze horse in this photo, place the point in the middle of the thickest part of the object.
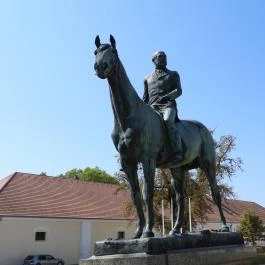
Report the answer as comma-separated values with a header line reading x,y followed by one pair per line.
x,y
140,136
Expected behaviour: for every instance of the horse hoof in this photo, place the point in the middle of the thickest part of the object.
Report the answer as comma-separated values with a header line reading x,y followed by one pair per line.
x,y
148,234
137,235
224,228
174,232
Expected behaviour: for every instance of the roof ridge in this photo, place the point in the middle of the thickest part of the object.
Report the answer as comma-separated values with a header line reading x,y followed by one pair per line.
x,y
239,200
6,180
34,174
61,178
257,204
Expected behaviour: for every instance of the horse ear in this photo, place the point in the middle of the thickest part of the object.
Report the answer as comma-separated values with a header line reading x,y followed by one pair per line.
x,y
112,41
97,41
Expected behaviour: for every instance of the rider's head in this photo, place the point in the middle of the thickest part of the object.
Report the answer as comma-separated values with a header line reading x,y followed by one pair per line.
x,y
159,59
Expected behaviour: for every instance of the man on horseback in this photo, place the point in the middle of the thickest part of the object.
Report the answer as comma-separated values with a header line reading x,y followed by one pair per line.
x,y
161,88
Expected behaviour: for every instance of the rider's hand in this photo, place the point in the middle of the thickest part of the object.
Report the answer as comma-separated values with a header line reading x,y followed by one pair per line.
x,y
163,99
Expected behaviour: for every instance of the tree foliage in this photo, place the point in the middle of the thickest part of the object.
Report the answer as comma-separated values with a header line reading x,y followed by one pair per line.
x,y
90,174
226,166
251,227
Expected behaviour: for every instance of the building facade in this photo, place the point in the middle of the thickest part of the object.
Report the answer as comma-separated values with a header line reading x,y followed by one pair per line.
x,y
61,217
64,217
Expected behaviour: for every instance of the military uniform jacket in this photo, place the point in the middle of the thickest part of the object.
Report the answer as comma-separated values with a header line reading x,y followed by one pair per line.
x,y
159,84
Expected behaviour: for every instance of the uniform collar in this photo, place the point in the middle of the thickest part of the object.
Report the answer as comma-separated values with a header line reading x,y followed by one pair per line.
x,y
160,73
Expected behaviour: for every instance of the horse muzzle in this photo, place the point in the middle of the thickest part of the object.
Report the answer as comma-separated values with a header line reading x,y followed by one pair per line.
x,y
101,75
102,70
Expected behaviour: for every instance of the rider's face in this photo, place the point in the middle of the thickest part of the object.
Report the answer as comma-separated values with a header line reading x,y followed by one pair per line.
x,y
160,60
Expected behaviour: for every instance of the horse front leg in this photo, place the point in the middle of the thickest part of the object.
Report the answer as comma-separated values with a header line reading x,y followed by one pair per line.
x,y
130,169
177,184
149,167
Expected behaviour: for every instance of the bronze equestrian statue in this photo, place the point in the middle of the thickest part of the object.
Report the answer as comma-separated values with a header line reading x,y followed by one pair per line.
x,y
140,136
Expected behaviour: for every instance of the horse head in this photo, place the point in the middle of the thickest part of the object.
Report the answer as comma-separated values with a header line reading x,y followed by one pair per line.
x,y
106,58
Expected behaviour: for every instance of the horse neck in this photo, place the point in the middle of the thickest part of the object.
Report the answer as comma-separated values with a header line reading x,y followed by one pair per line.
x,y
124,98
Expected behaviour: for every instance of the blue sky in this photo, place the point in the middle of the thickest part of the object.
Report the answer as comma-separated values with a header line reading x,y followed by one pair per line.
x,y
55,113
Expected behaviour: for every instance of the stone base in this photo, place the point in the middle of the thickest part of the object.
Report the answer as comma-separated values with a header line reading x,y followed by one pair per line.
x,y
225,255
161,245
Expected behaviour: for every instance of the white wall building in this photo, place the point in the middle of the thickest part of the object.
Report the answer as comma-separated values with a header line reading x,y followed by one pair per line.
x,y
64,217
61,217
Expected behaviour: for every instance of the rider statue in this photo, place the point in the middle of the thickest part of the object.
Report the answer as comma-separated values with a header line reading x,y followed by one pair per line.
x,y
161,88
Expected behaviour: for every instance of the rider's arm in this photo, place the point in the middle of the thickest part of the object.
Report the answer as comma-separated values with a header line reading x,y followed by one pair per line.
x,y
178,84
177,90
173,94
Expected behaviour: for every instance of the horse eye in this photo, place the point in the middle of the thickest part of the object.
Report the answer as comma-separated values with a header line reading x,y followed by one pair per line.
x,y
95,52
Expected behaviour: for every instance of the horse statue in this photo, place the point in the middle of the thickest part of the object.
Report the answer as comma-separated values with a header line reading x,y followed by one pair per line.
x,y
140,136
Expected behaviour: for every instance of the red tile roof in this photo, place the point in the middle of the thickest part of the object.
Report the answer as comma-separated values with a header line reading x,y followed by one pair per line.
x,y
234,211
30,195
4,181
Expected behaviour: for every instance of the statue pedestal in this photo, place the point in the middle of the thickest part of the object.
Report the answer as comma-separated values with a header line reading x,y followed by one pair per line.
x,y
226,255
161,245
205,248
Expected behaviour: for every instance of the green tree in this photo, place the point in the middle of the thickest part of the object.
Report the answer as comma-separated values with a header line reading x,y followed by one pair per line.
x,y
251,227
90,174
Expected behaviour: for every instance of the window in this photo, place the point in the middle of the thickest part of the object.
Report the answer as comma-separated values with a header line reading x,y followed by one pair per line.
x,y
121,235
49,257
40,236
29,258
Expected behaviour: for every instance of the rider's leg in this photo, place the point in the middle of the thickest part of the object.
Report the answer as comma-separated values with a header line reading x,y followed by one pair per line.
x,y
169,115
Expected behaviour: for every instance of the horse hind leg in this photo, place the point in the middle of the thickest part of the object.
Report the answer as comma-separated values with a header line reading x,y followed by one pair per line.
x,y
209,169
130,170
177,184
